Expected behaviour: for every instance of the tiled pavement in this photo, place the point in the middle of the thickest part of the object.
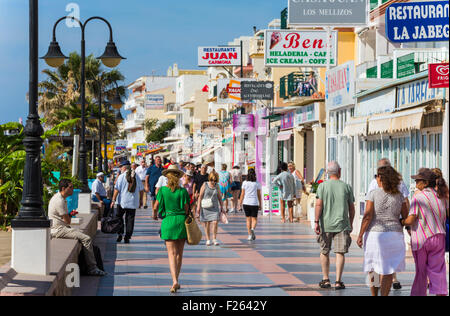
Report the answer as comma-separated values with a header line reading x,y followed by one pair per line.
x,y
283,261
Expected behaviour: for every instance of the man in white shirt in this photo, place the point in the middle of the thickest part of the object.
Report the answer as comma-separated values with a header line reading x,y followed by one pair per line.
x,y
141,172
59,214
99,193
128,187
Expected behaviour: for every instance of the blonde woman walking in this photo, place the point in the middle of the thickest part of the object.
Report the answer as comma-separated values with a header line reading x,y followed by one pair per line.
x,y
209,207
172,202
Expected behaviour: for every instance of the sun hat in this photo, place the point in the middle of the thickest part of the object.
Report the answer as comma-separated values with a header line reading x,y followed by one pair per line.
x,y
189,173
173,169
424,174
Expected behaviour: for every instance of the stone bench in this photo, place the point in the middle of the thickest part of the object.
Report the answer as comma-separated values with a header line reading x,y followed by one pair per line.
x,y
62,253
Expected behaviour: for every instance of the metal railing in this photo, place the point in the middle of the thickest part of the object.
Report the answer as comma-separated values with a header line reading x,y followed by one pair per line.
x,y
296,85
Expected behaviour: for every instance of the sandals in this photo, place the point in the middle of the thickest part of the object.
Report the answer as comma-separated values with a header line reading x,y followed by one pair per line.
x,y
339,285
325,284
175,288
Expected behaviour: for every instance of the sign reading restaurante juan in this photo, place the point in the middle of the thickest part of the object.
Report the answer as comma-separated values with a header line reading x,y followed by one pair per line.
x,y
289,48
418,21
219,56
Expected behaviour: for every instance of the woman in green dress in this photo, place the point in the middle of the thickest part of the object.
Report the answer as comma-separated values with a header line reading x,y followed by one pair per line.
x,y
173,204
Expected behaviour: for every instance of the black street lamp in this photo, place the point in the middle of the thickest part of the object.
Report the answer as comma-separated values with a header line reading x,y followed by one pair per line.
x,y
117,119
31,213
110,58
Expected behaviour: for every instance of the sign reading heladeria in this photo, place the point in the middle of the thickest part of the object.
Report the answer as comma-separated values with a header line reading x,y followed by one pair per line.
x,y
290,48
327,12
219,56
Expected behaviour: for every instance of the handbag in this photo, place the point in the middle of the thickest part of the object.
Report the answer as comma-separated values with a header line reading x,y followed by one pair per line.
x,y
111,224
194,234
223,218
207,203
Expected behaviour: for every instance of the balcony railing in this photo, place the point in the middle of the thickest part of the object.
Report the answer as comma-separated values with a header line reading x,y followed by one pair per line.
x,y
297,84
256,48
403,63
172,108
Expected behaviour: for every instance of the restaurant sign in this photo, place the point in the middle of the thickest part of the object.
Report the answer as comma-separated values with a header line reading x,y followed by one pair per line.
x,y
219,56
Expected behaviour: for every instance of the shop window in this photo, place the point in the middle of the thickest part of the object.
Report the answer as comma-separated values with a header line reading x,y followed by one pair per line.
x,y
379,151
332,149
401,161
439,150
407,166
413,152
432,151
418,152
395,154
362,162
424,151
385,148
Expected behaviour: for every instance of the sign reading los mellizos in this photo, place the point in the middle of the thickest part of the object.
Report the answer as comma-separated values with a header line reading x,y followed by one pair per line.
x,y
438,75
340,86
219,56
289,48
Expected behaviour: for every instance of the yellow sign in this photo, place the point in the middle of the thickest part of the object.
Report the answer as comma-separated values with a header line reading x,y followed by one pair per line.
x,y
109,151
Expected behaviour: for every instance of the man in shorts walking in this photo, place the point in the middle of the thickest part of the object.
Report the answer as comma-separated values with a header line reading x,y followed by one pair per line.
x,y
335,211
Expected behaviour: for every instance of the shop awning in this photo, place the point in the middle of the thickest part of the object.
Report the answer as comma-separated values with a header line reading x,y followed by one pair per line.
x,y
407,120
284,135
153,151
356,127
379,125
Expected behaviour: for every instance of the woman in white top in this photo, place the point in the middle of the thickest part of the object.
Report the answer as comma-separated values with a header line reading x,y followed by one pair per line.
x,y
251,202
236,178
299,188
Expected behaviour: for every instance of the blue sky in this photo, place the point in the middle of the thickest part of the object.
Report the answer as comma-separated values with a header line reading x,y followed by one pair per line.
x,y
151,34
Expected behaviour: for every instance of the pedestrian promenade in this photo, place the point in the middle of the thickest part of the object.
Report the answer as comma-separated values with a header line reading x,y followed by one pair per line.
x,y
283,261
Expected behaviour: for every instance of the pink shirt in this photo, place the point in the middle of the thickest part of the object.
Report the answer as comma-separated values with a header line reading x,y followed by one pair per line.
x,y
431,216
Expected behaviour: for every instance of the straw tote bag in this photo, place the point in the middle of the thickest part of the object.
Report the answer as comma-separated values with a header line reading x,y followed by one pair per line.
x,y
194,234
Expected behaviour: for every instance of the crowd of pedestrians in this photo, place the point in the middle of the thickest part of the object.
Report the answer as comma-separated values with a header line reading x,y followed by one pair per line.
x,y
173,191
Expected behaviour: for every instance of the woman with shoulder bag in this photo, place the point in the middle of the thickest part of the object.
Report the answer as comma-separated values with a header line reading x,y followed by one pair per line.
x,y
173,204
210,206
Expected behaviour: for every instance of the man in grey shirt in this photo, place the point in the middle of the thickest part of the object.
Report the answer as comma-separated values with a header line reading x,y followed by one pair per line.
x,y
59,214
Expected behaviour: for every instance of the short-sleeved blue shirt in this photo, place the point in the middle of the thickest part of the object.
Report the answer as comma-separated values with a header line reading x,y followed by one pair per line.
x,y
154,173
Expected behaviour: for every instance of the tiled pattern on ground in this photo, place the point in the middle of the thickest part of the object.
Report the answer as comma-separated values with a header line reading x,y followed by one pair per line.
x,y
283,261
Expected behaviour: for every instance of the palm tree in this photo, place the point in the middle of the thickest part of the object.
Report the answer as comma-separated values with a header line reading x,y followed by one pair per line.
x,y
60,92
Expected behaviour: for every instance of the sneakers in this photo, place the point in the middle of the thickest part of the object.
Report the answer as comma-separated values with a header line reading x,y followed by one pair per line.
x,y
97,272
250,238
253,234
216,243
208,242
119,238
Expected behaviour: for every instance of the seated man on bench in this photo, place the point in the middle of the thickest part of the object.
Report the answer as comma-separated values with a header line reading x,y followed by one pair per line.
x,y
59,214
99,193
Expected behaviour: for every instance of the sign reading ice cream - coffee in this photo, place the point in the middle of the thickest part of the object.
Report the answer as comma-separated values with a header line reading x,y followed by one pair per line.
x,y
219,56
289,48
